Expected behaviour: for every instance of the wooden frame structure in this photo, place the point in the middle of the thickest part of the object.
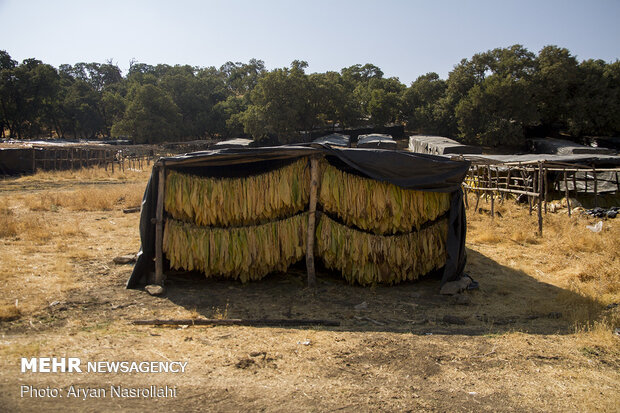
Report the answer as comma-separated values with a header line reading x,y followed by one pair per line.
x,y
159,276
533,179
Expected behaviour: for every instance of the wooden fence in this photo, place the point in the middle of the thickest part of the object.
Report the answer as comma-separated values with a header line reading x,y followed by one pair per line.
x,y
535,180
64,158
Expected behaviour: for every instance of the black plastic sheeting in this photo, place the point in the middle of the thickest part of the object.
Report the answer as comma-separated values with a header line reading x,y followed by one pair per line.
x,y
405,169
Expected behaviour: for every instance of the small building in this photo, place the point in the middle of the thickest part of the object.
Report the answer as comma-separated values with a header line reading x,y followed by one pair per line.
x,y
439,145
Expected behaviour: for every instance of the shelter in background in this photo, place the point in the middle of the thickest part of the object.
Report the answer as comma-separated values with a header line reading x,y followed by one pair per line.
x,y
563,147
439,145
380,216
377,141
234,143
334,139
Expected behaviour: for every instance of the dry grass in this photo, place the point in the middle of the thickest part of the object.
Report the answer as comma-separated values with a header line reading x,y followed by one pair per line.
x,y
58,278
9,312
93,198
8,224
584,264
87,174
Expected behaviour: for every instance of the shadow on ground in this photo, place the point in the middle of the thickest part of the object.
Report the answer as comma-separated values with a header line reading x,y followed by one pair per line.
x,y
507,300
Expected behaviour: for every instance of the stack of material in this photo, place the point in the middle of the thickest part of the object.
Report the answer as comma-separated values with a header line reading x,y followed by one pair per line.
x,y
242,228
368,259
564,147
390,234
439,145
234,143
377,141
378,207
335,139
227,202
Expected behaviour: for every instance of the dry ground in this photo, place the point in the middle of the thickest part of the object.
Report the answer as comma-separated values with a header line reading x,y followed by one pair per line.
x,y
539,334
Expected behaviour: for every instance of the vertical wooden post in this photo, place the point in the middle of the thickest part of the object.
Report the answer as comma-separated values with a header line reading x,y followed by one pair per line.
x,y
617,182
546,188
566,193
540,197
314,183
492,192
595,186
34,162
159,229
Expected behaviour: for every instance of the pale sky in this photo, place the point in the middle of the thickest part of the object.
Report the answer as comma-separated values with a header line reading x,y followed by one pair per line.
x,y
404,38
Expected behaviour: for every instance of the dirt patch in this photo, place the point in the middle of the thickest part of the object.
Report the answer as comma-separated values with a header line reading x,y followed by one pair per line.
x,y
538,335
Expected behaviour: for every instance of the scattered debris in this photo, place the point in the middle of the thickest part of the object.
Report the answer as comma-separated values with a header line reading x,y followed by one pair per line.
x,y
362,306
379,323
125,259
131,210
596,228
599,212
154,289
304,343
455,287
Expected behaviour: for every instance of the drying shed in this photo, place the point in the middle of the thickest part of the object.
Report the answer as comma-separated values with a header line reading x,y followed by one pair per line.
x,y
375,216
334,139
439,145
564,147
377,141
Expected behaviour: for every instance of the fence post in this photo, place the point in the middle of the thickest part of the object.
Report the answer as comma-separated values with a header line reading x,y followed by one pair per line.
x,y
314,182
540,197
566,193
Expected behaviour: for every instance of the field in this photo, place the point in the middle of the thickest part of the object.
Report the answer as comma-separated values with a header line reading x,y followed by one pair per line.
x,y
539,335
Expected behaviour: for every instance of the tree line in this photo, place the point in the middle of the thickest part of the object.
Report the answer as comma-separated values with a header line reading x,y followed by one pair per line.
x,y
493,98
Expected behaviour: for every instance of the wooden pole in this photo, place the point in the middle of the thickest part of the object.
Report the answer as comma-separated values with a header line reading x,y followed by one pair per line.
x,y
314,183
34,162
546,188
540,198
159,229
567,194
492,194
236,322
595,186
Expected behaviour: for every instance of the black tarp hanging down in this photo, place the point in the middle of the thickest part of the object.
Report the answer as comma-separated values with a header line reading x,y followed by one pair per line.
x,y
405,169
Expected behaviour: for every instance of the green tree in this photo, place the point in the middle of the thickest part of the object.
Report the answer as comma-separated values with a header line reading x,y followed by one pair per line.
x,y
556,85
421,104
492,96
151,115
280,105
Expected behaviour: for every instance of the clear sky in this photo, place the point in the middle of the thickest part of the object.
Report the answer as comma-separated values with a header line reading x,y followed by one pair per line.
x,y
404,38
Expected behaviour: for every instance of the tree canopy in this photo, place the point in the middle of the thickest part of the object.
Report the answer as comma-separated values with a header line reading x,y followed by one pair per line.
x,y
492,98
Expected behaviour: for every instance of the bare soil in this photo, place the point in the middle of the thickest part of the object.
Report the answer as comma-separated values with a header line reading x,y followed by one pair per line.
x,y
538,335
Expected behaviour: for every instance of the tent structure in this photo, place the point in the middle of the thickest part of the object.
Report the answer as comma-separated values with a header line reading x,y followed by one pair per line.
x,y
334,139
439,145
375,216
376,140
564,147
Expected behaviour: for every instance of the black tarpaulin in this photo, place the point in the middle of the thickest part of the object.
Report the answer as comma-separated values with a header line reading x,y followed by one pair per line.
x,y
405,169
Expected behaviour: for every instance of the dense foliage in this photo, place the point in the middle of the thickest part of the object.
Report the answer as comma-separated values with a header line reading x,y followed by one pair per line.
x,y
491,99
